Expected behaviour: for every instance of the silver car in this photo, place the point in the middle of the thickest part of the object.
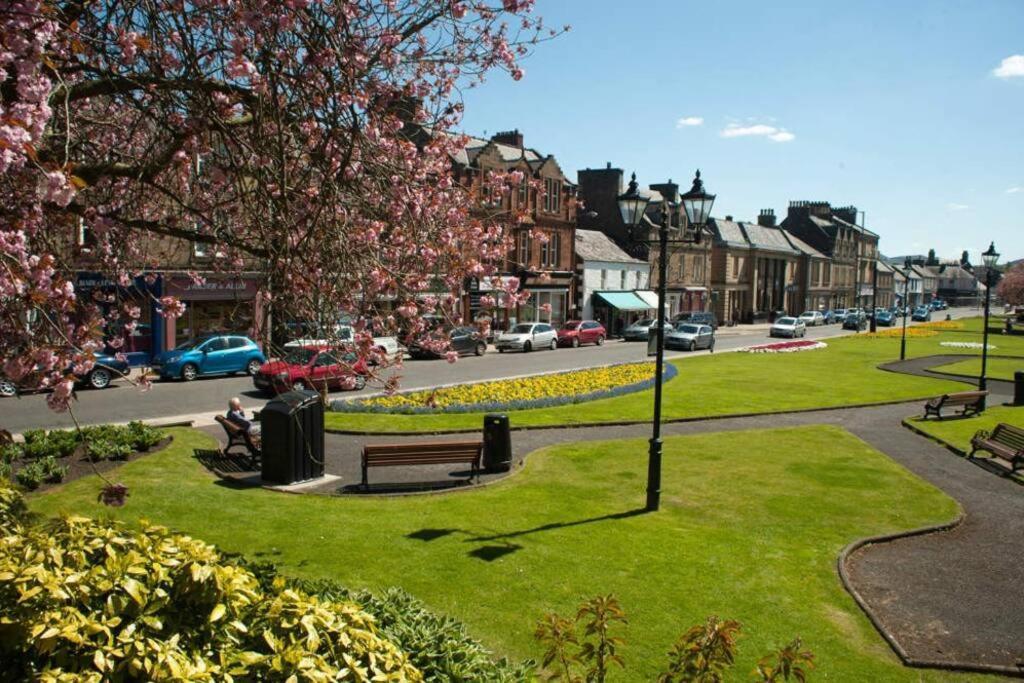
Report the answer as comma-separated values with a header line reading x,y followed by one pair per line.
x,y
690,337
788,327
527,337
641,330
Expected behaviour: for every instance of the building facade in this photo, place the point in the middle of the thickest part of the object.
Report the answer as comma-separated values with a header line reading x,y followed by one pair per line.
x,y
541,221
612,287
839,240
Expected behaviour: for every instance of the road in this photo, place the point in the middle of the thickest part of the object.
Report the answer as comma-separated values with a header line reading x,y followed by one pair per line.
x,y
168,400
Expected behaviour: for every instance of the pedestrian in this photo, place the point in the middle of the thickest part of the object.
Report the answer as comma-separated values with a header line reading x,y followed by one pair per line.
x,y
236,416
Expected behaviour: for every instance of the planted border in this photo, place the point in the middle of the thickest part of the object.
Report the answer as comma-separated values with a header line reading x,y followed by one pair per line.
x,y
365,405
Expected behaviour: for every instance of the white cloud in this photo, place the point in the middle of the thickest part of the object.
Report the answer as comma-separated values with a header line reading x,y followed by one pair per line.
x,y
953,206
1011,67
734,130
688,121
1014,190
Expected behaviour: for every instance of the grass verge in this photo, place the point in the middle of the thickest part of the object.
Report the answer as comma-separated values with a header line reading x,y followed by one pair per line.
x,y
998,368
957,432
751,525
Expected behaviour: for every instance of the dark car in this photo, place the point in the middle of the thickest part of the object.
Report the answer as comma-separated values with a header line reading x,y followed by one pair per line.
x,y
885,318
922,314
577,332
311,367
855,321
462,340
696,318
106,368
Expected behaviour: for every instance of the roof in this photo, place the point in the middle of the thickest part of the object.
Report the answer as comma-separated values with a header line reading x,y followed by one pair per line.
x,y
858,228
768,239
729,233
592,245
800,245
922,271
883,267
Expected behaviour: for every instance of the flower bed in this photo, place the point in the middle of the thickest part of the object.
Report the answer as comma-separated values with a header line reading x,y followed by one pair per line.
x,y
539,391
787,346
943,325
917,331
968,345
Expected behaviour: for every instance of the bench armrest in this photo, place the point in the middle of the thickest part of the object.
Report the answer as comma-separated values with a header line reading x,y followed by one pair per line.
x,y
979,436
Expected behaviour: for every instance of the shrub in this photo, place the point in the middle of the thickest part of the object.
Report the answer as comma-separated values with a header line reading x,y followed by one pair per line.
x,y
36,472
437,645
143,437
107,449
84,600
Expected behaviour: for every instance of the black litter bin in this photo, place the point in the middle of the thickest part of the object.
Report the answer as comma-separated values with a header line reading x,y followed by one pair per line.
x,y
292,432
497,444
1018,388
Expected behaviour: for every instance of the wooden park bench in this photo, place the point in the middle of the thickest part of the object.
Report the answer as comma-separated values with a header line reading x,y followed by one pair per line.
x,y
239,437
1005,442
422,453
971,402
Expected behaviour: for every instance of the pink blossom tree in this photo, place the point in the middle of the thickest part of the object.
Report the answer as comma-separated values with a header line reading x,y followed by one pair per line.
x,y
1011,287
303,139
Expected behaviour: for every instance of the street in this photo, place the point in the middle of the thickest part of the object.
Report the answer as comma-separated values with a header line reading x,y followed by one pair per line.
x,y
168,401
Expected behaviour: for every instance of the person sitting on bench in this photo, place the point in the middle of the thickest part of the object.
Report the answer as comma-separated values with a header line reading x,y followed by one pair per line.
x,y
236,415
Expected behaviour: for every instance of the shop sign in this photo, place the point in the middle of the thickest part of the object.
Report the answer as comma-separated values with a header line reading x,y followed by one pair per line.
x,y
212,289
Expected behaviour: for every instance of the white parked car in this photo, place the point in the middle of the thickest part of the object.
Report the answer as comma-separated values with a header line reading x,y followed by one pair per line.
x,y
344,334
814,318
788,327
527,337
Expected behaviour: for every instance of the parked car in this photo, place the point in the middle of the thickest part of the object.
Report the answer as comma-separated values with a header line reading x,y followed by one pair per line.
x,y
526,337
641,329
697,318
788,326
343,333
855,321
690,337
922,314
311,368
220,354
939,305
828,316
576,332
463,340
839,315
104,370
885,318
812,318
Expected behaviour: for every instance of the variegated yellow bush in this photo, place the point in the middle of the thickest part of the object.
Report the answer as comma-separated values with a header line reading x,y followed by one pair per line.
x,y
88,601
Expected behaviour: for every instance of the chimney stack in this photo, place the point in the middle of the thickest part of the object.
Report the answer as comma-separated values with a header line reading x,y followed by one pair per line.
x,y
766,218
513,138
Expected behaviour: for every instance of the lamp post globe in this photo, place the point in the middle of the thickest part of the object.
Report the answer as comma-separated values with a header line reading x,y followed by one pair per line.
x,y
633,204
697,204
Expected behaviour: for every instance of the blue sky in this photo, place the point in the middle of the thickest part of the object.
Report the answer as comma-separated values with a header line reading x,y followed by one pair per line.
x,y
894,107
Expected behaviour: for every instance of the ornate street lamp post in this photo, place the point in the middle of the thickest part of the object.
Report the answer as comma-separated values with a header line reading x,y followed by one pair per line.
x,y
906,297
990,258
633,205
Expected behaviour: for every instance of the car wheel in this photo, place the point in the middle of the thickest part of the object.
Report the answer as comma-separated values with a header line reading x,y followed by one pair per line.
x,y
527,347
575,342
189,372
692,346
8,388
554,344
600,340
480,349
299,385
501,350
360,383
99,378
253,366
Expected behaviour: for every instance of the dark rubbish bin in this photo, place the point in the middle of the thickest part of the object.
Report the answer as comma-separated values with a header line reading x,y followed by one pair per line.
x,y
1018,388
292,432
497,444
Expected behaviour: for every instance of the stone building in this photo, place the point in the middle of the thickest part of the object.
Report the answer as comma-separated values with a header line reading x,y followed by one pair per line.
x,y
543,256
612,287
835,236
885,292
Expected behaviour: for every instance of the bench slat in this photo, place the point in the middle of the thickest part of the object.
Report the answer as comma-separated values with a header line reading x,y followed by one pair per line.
x,y
423,453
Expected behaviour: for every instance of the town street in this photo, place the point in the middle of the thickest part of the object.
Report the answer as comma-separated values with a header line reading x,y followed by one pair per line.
x,y
168,400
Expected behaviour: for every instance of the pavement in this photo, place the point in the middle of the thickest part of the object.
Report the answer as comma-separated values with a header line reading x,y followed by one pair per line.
x,y
198,401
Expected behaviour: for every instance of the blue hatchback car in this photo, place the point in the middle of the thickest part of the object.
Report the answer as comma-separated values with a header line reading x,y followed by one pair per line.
x,y
212,355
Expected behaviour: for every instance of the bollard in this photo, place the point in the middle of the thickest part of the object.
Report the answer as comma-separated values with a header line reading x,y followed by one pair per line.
x,y
1018,388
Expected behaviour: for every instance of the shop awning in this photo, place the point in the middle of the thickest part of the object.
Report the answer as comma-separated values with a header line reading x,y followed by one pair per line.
x,y
624,301
649,297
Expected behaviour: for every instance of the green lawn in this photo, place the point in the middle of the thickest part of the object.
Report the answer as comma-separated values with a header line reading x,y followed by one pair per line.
x,y
998,368
751,525
958,432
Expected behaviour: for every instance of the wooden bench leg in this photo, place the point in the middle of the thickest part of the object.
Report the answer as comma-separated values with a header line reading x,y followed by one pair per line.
x,y
366,479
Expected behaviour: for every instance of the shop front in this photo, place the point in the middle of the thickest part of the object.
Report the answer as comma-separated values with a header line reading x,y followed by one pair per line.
x,y
550,297
215,304
618,310
147,339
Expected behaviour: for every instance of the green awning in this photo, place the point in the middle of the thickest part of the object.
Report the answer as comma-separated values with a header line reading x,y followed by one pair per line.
x,y
623,301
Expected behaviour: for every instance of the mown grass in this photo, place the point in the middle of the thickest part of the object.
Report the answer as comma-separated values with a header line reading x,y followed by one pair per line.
x,y
957,432
750,528
997,368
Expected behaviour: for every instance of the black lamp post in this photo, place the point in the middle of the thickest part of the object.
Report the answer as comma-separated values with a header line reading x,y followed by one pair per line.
x,y
697,207
990,258
906,297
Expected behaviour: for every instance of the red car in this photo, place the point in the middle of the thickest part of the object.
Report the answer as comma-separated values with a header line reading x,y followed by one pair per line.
x,y
312,367
576,332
